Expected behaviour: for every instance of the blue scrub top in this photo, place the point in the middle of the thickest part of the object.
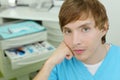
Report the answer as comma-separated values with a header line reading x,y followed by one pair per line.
x,y
75,70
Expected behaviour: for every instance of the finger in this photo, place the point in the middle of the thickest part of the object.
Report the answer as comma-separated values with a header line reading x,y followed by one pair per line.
x,y
70,53
69,56
68,48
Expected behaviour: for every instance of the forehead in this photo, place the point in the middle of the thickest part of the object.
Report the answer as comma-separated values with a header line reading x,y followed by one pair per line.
x,y
81,22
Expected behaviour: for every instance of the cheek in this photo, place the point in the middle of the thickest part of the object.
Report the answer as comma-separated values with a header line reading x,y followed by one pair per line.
x,y
91,41
98,38
68,41
94,40
95,37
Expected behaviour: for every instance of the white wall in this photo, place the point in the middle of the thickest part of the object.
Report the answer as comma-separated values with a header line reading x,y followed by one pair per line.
x,y
113,11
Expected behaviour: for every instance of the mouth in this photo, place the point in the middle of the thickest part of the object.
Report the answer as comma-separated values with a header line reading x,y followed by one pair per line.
x,y
79,51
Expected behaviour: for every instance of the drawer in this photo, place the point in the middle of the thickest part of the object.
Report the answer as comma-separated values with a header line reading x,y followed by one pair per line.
x,y
53,25
55,37
54,43
37,54
22,40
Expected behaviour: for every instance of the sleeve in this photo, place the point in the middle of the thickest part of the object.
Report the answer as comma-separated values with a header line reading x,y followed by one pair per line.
x,y
53,74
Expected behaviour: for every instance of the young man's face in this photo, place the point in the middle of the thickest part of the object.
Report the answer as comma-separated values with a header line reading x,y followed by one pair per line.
x,y
83,38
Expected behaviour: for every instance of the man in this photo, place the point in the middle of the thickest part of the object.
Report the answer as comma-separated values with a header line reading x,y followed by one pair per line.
x,y
84,53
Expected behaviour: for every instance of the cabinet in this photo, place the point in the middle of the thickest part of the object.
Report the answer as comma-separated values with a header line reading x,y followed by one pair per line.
x,y
20,66
24,13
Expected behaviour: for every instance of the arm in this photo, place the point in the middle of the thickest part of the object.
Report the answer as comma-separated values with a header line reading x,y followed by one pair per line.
x,y
59,54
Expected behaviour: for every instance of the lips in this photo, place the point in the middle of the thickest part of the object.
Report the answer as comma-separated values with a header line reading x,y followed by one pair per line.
x,y
80,51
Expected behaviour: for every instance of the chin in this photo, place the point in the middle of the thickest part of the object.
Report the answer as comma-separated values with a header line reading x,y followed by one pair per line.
x,y
82,58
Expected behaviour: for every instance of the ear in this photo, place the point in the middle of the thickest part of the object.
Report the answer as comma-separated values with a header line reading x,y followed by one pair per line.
x,y
106,27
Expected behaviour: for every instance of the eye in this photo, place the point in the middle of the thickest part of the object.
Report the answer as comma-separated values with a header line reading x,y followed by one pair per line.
x,y
85,29
67,31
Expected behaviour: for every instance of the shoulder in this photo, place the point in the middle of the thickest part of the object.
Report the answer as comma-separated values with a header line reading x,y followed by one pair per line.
x,y
63,69
67,63
115,48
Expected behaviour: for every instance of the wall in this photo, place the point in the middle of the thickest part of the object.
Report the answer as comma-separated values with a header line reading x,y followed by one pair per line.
x,y
113,12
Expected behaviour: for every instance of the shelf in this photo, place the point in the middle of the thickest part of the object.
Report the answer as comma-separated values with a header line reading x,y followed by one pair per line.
x,y
30,13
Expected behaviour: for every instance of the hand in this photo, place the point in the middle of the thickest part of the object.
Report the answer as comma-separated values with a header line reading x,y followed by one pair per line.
x,y
63,51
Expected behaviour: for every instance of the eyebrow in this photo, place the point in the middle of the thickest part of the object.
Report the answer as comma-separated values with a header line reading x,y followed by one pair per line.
x,y
65,28
85,24
82,25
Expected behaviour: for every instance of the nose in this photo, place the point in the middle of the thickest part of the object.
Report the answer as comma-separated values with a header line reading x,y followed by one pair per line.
x,y
77,38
